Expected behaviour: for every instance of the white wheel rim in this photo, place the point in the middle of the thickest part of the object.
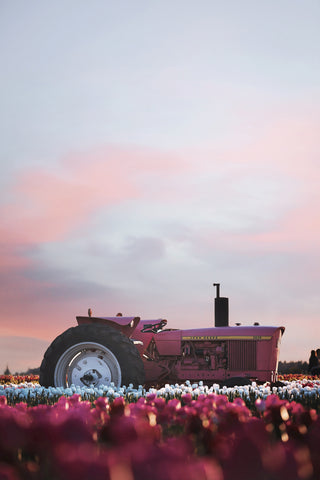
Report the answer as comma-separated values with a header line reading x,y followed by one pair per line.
x,y
87,364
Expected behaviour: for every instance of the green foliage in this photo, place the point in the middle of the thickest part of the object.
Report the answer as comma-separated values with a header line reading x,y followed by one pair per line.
x,y
293,367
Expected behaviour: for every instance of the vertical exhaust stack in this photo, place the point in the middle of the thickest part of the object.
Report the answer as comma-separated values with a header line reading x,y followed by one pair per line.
x,y
221,309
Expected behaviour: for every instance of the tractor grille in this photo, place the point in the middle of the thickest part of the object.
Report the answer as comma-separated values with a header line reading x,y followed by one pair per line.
x,y
242,354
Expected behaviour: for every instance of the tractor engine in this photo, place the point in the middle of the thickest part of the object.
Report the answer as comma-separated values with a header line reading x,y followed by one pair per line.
x,y
181,358
212,355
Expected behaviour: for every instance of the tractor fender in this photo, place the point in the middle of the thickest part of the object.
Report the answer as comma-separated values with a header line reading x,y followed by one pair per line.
x,y
126,325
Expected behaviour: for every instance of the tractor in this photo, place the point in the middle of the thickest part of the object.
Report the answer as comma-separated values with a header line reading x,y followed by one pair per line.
x,y
128,350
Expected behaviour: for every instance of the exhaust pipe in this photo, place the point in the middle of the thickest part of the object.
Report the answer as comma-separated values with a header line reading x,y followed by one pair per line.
x,y
221,309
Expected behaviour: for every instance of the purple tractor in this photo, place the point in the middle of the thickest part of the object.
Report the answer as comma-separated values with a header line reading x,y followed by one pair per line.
x,y
125,350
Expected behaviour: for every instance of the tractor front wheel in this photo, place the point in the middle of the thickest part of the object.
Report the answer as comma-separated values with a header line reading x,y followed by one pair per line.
x,y
91,355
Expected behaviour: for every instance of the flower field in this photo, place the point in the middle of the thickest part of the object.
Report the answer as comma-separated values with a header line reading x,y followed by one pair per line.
x,y
189,431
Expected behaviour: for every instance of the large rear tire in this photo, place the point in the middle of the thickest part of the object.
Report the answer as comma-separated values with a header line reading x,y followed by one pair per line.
x,y
91,355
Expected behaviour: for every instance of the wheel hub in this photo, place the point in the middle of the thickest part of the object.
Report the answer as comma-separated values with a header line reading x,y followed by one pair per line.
x,y
91,377
89,368
88,364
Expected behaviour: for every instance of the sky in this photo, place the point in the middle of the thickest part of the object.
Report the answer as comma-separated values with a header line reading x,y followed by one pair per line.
x,y
150,149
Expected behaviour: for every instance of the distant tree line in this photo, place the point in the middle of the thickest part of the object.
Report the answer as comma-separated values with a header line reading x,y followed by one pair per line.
x,y
30,371
293,367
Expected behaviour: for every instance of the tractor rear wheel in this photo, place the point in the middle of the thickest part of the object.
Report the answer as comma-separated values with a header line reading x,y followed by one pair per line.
x,y
89,355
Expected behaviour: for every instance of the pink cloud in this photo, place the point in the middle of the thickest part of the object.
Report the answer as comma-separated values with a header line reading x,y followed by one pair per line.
x,y
11,258
291,150
51,205
285,157
48,205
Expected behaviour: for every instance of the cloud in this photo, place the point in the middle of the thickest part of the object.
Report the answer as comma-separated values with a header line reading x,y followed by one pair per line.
x,y
48,205
266,194
42,301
